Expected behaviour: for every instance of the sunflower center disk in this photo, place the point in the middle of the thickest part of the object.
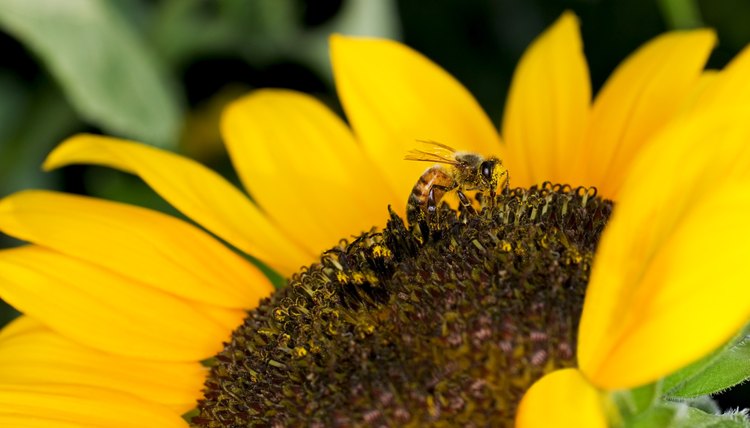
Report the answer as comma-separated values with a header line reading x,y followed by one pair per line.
x,y
397,329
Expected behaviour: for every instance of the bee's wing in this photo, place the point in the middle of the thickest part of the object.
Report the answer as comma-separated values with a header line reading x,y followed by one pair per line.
x,y
441,153
422,156
445,147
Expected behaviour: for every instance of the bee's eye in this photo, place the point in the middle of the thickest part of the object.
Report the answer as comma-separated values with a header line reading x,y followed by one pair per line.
x,y
487,167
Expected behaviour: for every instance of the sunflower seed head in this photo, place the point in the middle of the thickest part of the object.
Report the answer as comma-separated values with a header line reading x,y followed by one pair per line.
x,y
406,328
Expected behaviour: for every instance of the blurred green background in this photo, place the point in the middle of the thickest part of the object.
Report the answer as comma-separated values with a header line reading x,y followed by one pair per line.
x,y
159,71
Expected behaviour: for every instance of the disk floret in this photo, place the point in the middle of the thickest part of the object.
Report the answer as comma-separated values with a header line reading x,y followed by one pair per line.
x,y
401,329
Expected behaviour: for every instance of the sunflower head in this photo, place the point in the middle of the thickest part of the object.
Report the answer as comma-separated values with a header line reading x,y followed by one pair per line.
x,y
445,325
395,329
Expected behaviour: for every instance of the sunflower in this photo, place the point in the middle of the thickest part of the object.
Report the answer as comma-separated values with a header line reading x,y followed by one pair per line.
x,y
121,304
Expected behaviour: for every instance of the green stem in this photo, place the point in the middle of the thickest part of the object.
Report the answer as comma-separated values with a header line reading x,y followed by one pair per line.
x,y
681,14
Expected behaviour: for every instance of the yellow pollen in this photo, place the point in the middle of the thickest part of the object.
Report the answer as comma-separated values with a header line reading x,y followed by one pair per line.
x,y
285,338
300,351
368,329
543,241
431,406
505,246
381,251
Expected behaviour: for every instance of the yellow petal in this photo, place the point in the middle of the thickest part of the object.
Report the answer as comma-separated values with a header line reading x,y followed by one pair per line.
x,y
24,421
730,85
50,405
642,95
20,326
195,190
140,244
548,109
669,282
301,164
104,310
394,97
37,356
563,399
228,318
696,99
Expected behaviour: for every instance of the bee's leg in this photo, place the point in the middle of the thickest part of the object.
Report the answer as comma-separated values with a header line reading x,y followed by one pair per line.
x,y
506,182
485,199
433,199
466,203
504,187
490,201
432,208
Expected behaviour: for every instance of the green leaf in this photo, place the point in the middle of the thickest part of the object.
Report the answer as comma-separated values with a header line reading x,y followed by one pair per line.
x,y
704,403
680,415
681,14
41,120
104,68
636,401
690,417
723,369
660,416
646,395
13,102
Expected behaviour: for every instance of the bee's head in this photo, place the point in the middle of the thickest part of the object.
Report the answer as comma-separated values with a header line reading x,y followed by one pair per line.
x,y
491,169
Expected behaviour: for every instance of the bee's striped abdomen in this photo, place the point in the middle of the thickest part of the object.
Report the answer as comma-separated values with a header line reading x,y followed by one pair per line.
x,y
427,192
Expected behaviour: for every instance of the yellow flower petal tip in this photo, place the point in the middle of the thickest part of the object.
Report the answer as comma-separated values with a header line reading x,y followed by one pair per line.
x,y
730,87
405,99
643,94
547,111
75,147
198,192
567,22
562,399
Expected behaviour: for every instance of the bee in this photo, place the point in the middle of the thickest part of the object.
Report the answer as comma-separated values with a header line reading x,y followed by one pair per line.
x,y
453,170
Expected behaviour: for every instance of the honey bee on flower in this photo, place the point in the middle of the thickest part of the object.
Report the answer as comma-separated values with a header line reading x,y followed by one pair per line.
x,y
453,171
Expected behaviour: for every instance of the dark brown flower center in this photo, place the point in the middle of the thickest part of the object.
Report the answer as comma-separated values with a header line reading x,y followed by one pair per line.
x,y
395,329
